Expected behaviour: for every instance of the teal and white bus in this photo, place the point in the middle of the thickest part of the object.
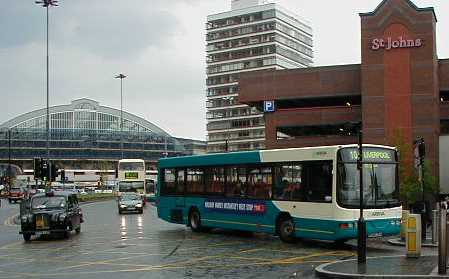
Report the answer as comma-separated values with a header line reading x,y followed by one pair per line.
x,y
294,193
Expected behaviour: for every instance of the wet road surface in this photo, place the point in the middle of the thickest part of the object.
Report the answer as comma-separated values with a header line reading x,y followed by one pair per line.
x,y
142,246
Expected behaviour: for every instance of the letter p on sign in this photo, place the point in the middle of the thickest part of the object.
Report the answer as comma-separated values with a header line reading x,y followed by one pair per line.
x,y
268,106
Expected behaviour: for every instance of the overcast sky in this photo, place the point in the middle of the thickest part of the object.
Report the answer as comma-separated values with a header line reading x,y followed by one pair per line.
x,y
158,44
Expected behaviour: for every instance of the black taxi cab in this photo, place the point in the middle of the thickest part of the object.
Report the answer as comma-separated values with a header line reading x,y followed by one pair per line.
x,y
50,213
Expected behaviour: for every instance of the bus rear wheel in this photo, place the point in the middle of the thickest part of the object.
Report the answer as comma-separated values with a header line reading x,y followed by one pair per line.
x,y
195,220
287,230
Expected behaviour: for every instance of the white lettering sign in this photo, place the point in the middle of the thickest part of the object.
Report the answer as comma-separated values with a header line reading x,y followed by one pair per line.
x,y
400,42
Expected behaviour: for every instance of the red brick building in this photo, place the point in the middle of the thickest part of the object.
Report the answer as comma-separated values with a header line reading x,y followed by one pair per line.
x,y
400,88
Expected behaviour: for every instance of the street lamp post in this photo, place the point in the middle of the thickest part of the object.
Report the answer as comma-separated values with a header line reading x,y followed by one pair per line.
x,y
46,4
361,224
9,159
121,77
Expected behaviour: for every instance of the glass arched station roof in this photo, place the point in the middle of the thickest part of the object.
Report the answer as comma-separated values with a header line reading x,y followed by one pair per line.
x,y
83,114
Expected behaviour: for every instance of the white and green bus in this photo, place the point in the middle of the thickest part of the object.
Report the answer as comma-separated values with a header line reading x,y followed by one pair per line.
x,y
294,193
131,176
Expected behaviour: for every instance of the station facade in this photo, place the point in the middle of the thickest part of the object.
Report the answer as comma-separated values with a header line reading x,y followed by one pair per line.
x,y
87,135
400,91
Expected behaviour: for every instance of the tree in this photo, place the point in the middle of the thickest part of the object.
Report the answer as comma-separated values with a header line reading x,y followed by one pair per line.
x,y
410,187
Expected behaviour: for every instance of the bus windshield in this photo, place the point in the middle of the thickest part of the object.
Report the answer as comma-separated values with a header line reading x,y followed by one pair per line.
x,y
380,185
131,166
131,186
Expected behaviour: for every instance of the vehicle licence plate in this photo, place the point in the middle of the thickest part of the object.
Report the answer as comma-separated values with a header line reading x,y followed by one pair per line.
x,y
43,233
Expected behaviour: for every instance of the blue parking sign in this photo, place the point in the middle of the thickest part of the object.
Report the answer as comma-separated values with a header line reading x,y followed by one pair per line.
x,y
268,106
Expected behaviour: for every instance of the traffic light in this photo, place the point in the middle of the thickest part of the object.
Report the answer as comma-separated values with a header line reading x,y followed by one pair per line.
x,y
422,148
420,151
37,165
54,172
44,171
62,175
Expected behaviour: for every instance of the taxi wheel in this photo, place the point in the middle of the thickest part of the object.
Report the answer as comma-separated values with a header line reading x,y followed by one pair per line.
x,y
27,237
78,230
195,220
287,230
65,234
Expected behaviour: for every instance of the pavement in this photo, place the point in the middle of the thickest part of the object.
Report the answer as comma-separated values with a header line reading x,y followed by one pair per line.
x,y
382,267
397,266
401,242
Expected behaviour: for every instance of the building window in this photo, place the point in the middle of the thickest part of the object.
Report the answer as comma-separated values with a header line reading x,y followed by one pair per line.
x,y
444,124
315,131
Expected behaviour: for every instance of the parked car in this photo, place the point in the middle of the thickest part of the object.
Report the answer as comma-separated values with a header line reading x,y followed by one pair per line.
x,y
50,213
130,202
16,194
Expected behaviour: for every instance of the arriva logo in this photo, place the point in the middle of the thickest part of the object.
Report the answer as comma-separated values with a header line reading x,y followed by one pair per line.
x,y
378,214
389,43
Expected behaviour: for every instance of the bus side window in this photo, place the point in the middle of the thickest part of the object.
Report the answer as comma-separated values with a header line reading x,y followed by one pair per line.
x,y
233,185
259,183
168,185
195,181
215,180
318,181
180,181
288,183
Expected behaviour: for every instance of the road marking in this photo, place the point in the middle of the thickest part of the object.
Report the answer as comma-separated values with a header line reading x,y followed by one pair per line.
x,y
332,253
9,222
189,263
101,263
8,246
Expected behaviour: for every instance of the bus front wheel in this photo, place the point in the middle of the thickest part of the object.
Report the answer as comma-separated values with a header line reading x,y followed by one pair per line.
x,y
195,220
287,230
